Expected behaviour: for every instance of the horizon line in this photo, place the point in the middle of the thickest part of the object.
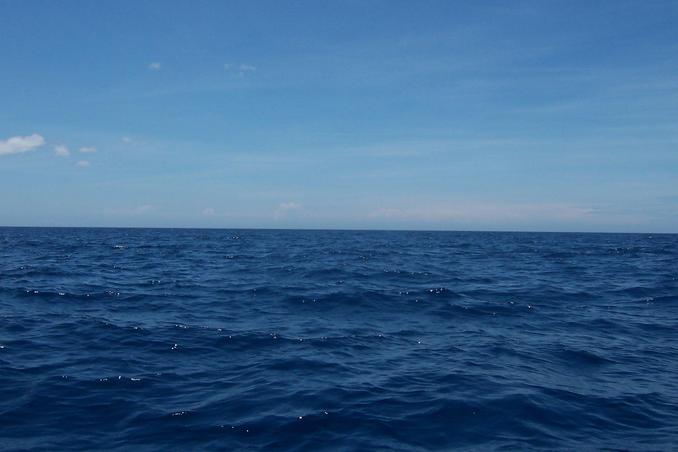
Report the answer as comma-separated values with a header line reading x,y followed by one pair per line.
x,y
339,229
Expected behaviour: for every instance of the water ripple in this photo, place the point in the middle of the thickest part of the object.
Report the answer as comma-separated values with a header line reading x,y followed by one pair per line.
x,y
118,339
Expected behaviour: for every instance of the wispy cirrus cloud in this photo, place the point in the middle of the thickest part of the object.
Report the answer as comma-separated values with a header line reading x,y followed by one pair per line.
x,y
88,149
82,163
155,66
19,144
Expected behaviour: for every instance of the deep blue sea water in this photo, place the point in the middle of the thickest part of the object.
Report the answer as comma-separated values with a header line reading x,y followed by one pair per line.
x,y
153,339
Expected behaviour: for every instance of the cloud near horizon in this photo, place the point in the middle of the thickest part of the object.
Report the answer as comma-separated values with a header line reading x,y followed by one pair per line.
x,y
19,144
138,210
285,208
485,212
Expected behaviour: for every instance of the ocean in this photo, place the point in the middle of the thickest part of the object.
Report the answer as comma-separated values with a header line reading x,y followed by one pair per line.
x,y
179,339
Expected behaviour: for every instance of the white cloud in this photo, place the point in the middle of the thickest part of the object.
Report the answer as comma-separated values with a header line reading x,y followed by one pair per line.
x,y
208,211
82,163
17,145
285,208
155,66
126,140
239,69
88,149
61,151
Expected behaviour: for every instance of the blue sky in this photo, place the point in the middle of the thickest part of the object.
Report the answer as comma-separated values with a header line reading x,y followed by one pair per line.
x,y
521,115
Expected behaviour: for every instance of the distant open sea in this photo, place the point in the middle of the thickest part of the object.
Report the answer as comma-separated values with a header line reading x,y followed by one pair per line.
x,y
162,339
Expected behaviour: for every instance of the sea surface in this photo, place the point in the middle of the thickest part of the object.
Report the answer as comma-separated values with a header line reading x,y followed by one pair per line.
x,y
161,339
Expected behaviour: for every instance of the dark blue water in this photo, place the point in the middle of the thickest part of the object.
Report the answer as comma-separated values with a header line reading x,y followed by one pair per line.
x,y
215,339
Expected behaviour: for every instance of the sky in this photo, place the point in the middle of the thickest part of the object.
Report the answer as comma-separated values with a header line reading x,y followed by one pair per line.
x,y
484,115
